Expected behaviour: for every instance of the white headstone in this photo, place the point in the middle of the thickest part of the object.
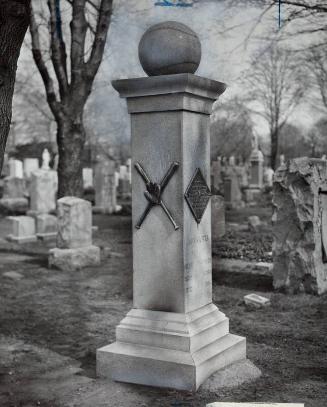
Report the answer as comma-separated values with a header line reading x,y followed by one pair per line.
x,y
16,168
43,191
87,178
22,229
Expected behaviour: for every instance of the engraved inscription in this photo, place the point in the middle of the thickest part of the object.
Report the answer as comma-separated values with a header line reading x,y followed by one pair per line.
x,y
198,195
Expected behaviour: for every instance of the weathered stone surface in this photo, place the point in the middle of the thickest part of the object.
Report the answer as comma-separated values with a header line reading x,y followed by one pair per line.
x,y
299,226
169,48
74,259
218,225
42,191
74,223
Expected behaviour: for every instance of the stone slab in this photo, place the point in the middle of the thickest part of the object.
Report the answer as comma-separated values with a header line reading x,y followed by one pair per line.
x,y
74,259
228,404
23,239
242,266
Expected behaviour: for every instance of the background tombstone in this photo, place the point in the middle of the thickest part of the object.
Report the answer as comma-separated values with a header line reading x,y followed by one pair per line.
x,y
43,191
87,178
174,336
14,198
74,239
22,229
300,226
105,186
15,168
232,191
216,176
46,226
218,217
30,165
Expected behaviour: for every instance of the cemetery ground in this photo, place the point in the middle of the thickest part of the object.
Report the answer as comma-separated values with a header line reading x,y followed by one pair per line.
x,y
52,322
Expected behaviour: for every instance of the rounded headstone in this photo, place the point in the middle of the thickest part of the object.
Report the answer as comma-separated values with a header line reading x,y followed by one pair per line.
x,y
169,48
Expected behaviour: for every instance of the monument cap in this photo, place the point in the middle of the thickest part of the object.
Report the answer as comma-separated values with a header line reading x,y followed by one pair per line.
x,y
169,48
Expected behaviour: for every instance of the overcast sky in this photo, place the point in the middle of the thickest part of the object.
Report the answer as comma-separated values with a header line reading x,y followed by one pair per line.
x,y
225,54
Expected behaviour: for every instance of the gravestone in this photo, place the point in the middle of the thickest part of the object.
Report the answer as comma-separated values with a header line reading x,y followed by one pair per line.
x,y
22,229
15,168
74,239
43,191
300,226
87,178
218,217
14,198
216,176
232,191
105,187
174,336
14,187
30,165
46,226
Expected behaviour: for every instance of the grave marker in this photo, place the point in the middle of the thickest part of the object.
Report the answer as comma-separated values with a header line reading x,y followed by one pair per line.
x,y
174,336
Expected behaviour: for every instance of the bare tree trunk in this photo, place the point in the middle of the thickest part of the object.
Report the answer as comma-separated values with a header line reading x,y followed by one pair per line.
x,y
14,20
274,149
70,140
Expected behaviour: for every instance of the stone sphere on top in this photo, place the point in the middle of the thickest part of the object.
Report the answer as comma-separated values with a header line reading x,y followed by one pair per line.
x,y
169,48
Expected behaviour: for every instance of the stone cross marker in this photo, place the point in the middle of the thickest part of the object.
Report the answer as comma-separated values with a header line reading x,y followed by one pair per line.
x,y
174,336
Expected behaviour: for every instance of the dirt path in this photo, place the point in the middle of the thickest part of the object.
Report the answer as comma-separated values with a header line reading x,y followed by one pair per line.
x,y
52,322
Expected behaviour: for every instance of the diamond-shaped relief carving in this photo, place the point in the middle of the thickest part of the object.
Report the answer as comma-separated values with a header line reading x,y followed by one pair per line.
x,y
198,195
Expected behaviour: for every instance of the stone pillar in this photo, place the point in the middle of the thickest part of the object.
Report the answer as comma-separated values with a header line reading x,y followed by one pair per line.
x,y
43,192
105,187
174,336
256,170
74,239
300,226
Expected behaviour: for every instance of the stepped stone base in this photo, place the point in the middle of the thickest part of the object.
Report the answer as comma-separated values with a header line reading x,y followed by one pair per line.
x,y
171,350
74,259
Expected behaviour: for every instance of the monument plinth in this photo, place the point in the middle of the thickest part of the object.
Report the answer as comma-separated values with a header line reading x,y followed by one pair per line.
x,y
174,336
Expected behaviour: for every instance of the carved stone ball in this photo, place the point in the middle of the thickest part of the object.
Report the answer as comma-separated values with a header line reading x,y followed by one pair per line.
x,y
169,48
